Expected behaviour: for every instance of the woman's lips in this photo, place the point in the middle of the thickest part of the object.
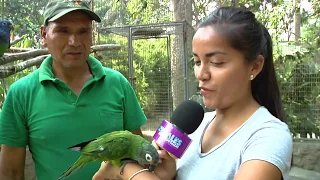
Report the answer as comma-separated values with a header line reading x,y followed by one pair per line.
x,y
204,91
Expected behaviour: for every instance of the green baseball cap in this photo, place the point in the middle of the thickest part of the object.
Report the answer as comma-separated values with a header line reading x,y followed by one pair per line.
x,y
58,8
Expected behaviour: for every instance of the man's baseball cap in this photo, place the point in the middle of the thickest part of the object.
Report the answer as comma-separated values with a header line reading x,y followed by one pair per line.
x,y
58,8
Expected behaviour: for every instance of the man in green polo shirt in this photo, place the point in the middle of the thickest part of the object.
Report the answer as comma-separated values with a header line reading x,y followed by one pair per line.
x,y
70,99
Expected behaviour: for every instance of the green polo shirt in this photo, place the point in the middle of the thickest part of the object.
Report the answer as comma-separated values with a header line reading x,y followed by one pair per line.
x,y
44,113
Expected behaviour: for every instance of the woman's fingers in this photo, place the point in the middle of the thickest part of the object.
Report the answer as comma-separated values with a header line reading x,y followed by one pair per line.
x,y
163,154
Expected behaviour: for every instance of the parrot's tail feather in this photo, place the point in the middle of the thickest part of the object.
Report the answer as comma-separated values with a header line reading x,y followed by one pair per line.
x,y
75,148
79,146
76,166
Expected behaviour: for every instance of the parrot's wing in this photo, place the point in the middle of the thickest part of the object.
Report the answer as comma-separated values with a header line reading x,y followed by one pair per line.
x,y
110,149
78,147
106,137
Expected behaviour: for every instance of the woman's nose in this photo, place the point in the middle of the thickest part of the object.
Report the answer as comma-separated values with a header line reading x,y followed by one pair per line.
x,y
201,72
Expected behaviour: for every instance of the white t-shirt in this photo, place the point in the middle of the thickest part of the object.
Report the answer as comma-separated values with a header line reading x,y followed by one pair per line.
x,y
262,137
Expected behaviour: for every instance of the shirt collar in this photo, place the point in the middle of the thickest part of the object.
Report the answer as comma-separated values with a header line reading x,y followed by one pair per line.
x,y
46,73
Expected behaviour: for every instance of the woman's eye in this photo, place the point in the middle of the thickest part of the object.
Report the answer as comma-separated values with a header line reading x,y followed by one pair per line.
x,y
196,62
217,63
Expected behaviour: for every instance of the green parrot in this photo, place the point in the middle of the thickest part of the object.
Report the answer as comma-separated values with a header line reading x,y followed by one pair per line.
x,y
118,147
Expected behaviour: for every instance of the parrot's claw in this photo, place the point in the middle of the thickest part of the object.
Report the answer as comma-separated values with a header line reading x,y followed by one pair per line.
x,y
124,162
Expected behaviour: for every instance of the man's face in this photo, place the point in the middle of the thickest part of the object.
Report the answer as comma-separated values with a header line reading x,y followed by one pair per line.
x,y
69,39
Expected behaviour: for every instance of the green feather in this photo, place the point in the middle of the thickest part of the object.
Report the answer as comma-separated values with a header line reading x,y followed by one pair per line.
x,y
114,147
3,48
77,165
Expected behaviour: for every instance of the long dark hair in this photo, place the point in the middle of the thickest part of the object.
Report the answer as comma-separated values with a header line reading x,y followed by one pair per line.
x,y
246,34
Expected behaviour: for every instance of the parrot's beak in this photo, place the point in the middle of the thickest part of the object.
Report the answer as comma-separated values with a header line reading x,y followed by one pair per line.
x,y
154,163
152,167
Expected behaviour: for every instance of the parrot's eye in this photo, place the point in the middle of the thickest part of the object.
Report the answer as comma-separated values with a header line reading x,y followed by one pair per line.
x,y
148,157
4,23
101,148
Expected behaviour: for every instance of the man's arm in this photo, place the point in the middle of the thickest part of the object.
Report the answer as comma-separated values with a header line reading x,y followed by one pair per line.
x,y
12,163
137,132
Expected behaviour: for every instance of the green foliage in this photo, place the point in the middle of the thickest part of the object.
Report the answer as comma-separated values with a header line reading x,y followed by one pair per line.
x,y
297,65
299,78
121,12
26,17
150,64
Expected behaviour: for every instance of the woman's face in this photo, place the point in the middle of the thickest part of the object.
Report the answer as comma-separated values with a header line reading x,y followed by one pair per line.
x,y
223,72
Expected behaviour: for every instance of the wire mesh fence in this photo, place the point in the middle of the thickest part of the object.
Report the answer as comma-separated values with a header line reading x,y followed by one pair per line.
x,y
155,60
299,77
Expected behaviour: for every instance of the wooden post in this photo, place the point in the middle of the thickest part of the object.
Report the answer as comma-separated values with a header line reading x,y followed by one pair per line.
x,y
297,21
93,25
2,9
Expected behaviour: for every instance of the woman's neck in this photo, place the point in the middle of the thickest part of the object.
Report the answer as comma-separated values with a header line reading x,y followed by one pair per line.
x,y
234,116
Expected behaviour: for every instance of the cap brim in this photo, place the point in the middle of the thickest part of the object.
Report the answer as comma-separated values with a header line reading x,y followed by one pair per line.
x,y
93,15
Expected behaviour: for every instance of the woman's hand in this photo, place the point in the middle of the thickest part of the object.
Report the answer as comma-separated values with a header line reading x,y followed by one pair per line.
x,y
166,168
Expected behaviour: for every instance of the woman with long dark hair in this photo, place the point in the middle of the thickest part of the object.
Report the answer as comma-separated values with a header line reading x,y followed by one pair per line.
x,y
246,137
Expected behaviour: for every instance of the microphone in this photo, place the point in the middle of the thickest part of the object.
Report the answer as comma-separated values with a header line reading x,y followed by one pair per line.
x,y
173,137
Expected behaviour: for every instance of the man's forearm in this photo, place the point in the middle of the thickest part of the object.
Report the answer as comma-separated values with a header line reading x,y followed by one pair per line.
x,y
12,162
11,176
138,132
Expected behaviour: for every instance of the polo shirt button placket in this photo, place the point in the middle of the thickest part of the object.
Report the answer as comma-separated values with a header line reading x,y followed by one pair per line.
x,y
70,93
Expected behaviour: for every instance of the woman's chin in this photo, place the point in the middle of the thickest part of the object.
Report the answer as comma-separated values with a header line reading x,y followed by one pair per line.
x,y
209,104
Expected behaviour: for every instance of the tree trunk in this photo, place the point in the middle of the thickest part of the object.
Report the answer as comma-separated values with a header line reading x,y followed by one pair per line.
x,y
2,9
93,25
297,21
182,12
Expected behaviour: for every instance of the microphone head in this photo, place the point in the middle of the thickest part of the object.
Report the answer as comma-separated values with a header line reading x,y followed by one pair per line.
x,y
188,116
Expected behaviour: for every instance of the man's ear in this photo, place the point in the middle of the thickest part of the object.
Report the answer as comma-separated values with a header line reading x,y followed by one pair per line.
x,y
257,66
43,34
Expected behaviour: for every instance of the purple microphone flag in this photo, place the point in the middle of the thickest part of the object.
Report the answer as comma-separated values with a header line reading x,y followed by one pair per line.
x,y
171,139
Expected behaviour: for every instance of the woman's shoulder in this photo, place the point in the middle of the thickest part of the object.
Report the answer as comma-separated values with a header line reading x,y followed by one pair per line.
x,y
264,118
